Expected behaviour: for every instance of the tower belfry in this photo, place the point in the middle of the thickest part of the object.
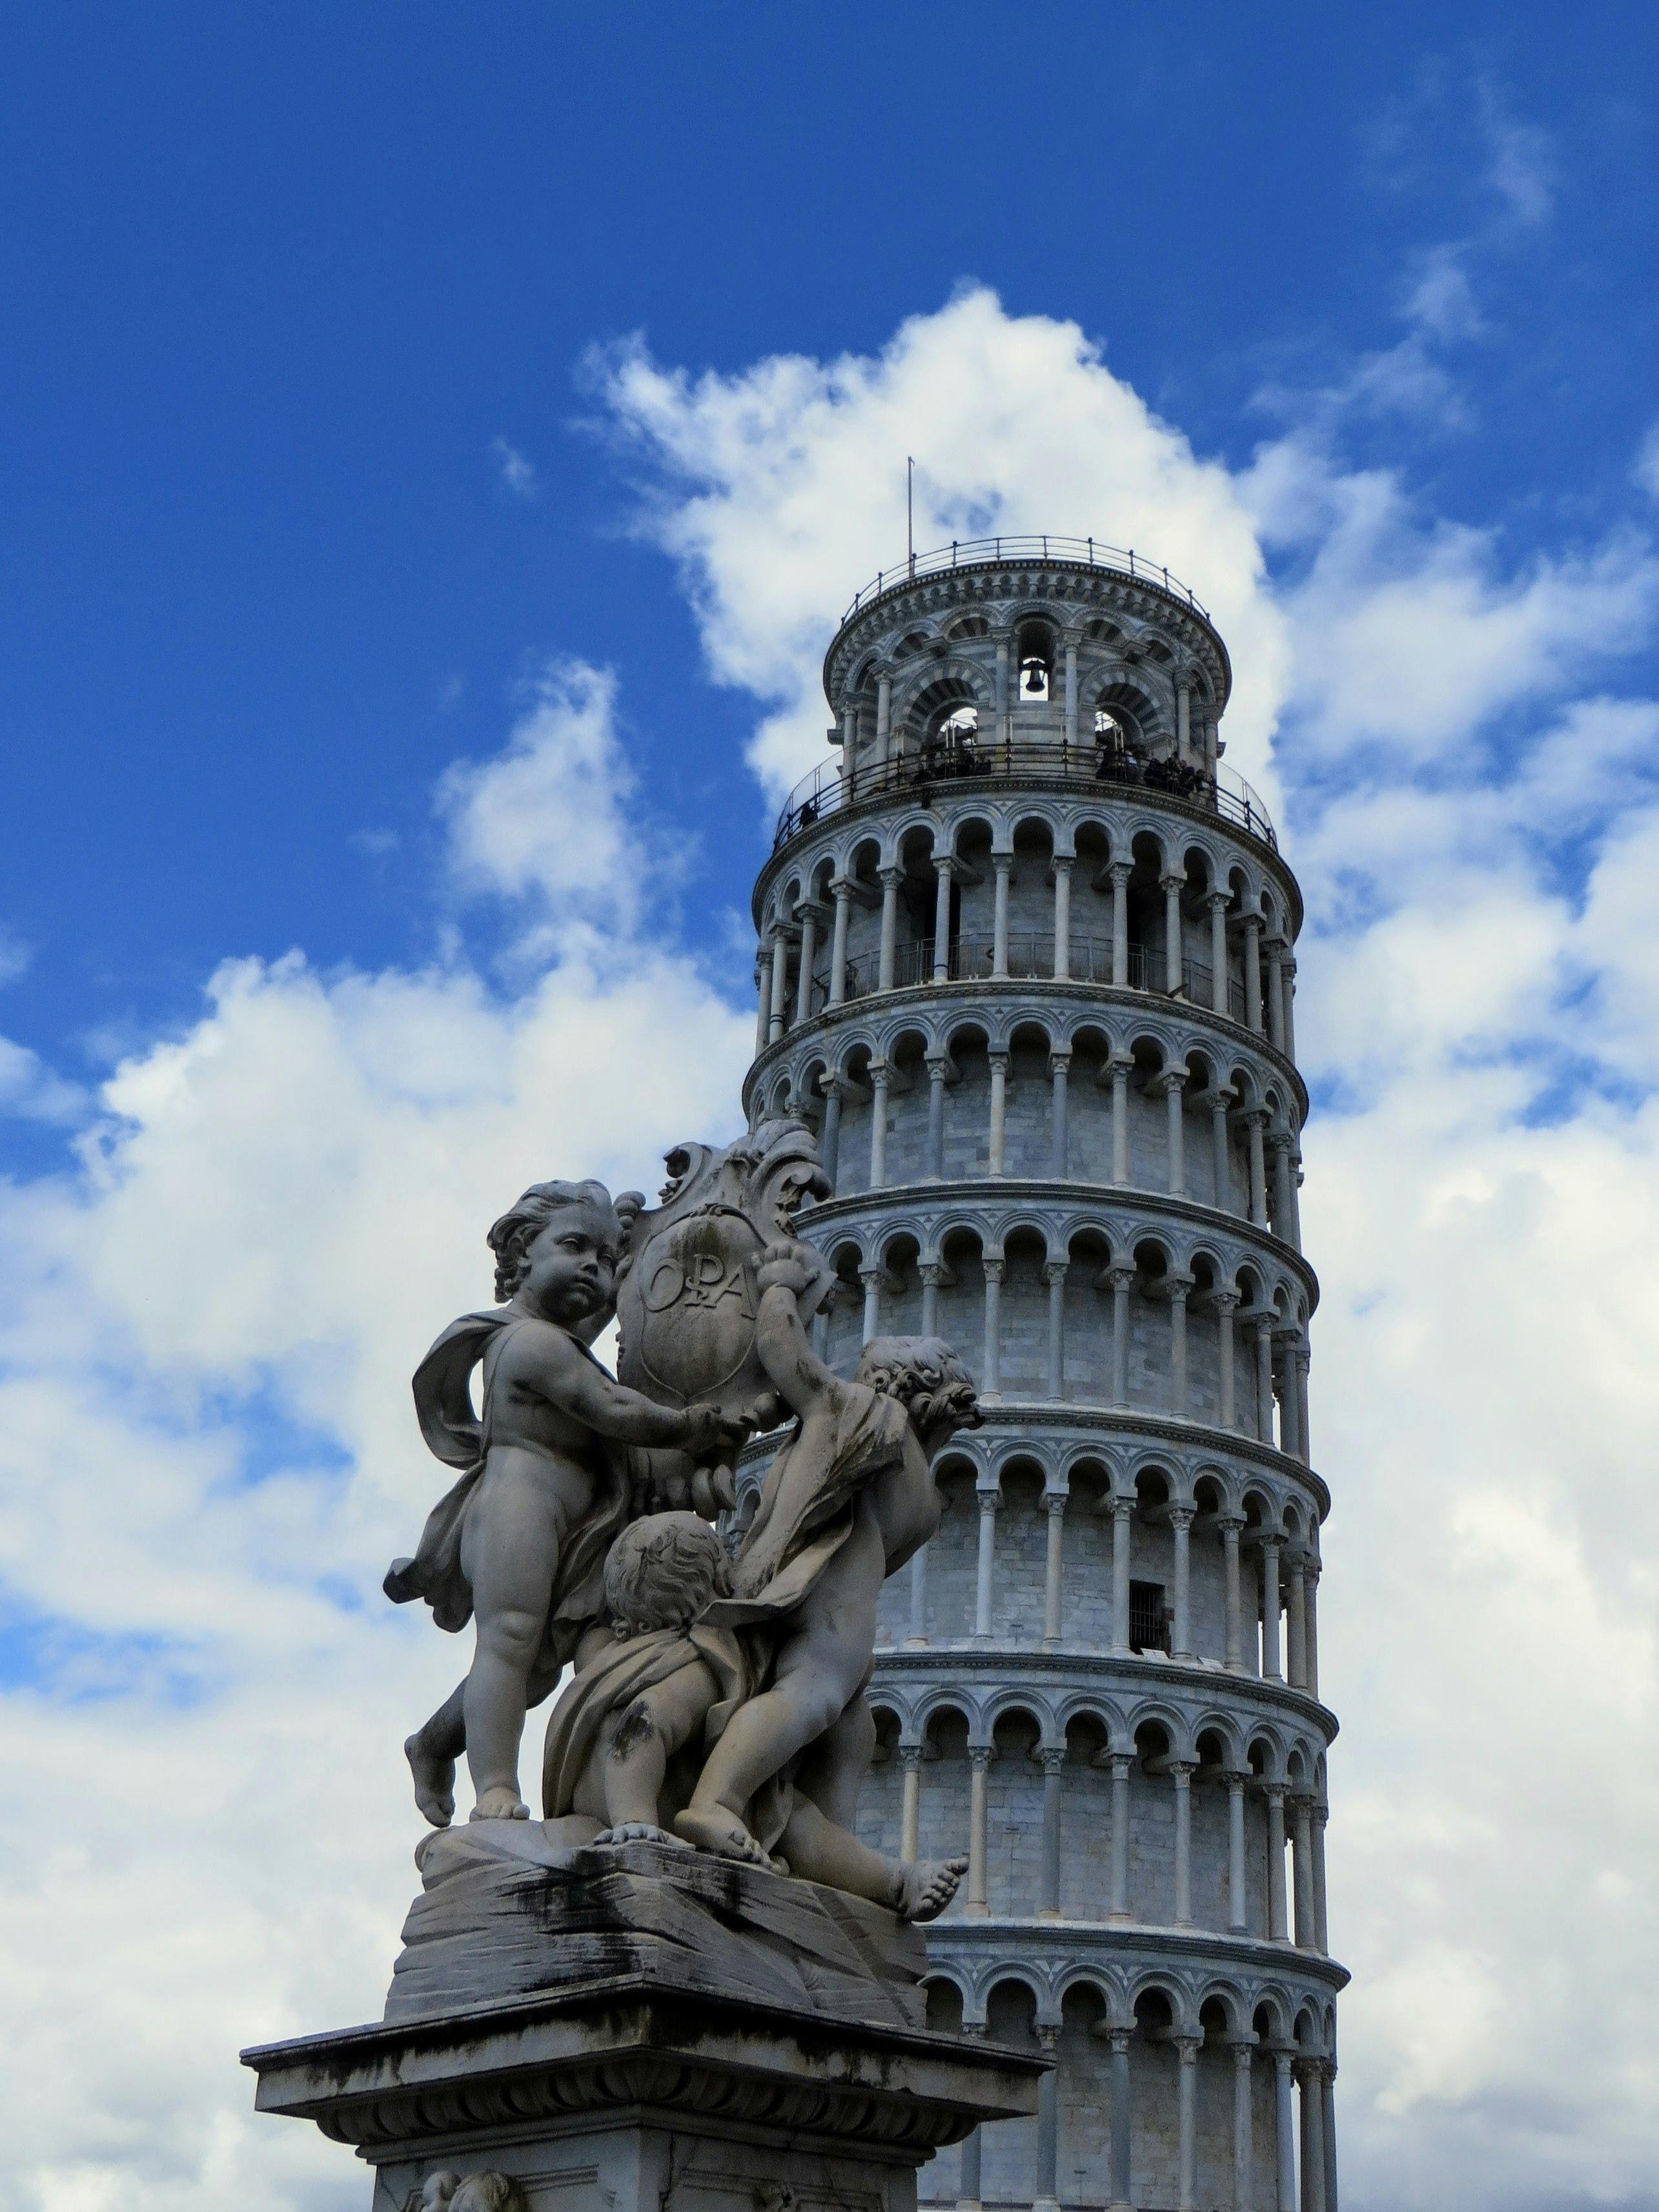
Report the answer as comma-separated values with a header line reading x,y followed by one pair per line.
x,y
1026,961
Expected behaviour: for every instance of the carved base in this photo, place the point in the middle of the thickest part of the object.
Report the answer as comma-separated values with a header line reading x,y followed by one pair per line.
x,y
631,2096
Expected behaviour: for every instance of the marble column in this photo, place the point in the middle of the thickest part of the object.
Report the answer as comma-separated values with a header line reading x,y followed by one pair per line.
x,y
1221,1097
1053,1567
1272,1545
1262,1321
1296,1622
780,986
943,868
1307,2075
1289,1439
979,1759
1118,2154
1244,2126
1052,1758
1178,1285
910,1814
884,717
1302,1872
1120,872
1239,1900
939,1073
989,1500
1063,868
1302,1357
1226,1304
1122,1557
1059,1068
1322,1814
1288,971
1173,1082
842,889
1184,716
890,880
1255,1119
829,1142
1047,2127
1053,1275
1120,1278
873,1279
1218,902
1232,1527
763,982
1181,1774
1071,691
1327,2084
1251,924
880,1076
1187,2123
1310,1602
991,1382
1003,863
999,1129
1285,2131
1174,973
1121,1063
1181,1524
1284,1210
1119,1907
933,1274
1278,1930
1273,947
809,946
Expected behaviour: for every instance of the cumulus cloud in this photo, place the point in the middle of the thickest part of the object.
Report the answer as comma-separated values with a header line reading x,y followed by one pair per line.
x,y
1483,1193
208,1324
516,473
776,488
206,1459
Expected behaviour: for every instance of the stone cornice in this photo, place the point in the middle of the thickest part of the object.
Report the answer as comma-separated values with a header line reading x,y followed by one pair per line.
x,y
1026,991
1071,1194
1134,1941
1062,1669
1027,1417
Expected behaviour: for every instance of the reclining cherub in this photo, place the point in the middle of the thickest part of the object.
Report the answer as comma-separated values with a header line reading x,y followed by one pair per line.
x,y
628,1735
847,1502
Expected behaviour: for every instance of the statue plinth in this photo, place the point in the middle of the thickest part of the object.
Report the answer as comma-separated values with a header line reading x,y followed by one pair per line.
x,y
667,2031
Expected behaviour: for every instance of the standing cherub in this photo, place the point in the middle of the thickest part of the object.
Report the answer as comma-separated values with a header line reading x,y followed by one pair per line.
x,y
520,1542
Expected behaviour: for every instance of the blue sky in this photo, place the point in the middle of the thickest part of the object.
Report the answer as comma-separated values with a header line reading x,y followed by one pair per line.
x,y
276,282
435,447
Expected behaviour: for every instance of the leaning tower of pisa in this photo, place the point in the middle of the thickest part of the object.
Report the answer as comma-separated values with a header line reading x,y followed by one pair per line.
x,y
1026,960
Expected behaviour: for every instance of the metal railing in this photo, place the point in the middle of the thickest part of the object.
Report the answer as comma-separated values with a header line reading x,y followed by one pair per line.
x,y
1030,959
834,786
972,552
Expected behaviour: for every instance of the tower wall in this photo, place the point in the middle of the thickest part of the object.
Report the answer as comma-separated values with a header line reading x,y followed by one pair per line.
x,y
1026,960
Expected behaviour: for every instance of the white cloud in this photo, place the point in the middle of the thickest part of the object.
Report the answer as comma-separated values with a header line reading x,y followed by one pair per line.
x,y
210,1326
206,1459
781,487
1646,467
517,472
1490,1336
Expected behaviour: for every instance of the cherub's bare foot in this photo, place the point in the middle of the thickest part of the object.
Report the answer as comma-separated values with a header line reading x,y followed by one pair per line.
x,y
501,1805
722,1832
638,1831
435,1781
927,1887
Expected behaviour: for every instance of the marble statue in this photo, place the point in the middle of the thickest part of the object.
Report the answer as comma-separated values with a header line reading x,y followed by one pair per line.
x,y
717,1701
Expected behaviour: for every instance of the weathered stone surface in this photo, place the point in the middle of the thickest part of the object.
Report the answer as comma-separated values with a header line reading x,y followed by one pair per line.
x,y
507,1911
639,2092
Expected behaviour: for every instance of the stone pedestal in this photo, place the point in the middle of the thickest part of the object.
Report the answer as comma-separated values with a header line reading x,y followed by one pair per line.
x,y
670,2034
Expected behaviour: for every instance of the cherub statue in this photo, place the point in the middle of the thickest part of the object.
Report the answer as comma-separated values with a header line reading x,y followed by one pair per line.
x,y
628,1734
847,1502
448,2191
520,1542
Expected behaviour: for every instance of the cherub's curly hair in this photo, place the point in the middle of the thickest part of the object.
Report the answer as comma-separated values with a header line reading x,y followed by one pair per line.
x,y
510,1238
925,1376
662,1571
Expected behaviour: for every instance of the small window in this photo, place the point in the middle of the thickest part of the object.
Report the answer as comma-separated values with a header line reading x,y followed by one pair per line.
x,y
1149,1618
